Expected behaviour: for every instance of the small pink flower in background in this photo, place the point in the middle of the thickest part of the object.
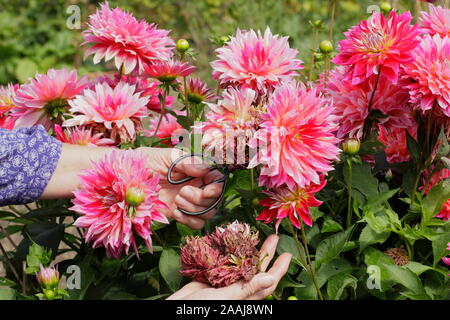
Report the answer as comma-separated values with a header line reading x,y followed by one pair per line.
x,y
446,260
378,45
48,277
81,136
351,103
437,177
7,95
226,256
115,34
169,129
168,71
256,61
289,203
296,141
430,72
395,142
197,91
119,110
46,97
437,21
117,200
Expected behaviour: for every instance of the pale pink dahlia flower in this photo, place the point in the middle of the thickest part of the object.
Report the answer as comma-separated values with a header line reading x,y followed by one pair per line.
x,y
117,200
437,21
82,136
431,74
168,71
296,142
292,204
119,110
116,34
48,277
256,61
378,45
46,97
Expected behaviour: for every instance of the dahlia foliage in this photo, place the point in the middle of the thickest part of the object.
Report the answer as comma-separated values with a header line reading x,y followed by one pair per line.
x,y
351,167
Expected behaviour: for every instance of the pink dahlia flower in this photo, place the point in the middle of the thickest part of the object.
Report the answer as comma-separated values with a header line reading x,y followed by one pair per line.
x,y
168,71
7,95
81,136
48,277
46,97
378,45
296,142
351,103
437,21
293,204
394,140
117,200
446,260
197,91
169,129
119,110
431,73
256,61
116,34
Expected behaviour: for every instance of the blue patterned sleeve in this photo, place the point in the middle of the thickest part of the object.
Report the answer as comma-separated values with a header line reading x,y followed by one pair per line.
x,y
28,158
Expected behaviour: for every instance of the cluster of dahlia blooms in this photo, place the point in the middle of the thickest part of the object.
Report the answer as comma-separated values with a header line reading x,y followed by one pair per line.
x,y
226,256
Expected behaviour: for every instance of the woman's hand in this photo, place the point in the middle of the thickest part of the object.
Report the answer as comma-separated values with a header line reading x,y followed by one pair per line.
x,y
261,286
188,196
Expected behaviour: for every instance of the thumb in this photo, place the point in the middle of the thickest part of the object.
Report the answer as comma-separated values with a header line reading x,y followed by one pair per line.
x,y
241,291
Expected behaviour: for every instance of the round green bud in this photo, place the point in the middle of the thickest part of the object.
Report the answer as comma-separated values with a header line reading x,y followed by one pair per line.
x,y
385,7
271,297
351,146
224,39
49,294
134,196
292,298
318,56
326,47
182,45
255,201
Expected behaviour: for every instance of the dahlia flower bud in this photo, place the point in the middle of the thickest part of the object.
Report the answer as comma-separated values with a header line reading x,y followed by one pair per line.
x,y
226,256
326,47
351,146
48,277
385,7
182,45
134,196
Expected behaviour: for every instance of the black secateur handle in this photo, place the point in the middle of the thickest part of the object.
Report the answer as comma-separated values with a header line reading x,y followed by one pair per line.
x,y
187,179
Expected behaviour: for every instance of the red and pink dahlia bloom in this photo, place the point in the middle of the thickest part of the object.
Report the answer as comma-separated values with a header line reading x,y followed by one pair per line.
x,y
378,45
168,71
82,136
296,143
46,97
395,142
256,61
437,21
116,34
7,94
117,200
430,72
119,110
290,203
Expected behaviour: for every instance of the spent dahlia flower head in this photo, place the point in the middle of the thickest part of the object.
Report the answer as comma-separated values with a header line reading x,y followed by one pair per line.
x,y
118,110
82,136
45,98
378,44
296,142
257,61
226,256
437,21
168,71
293,204
117,200
115,34
430,74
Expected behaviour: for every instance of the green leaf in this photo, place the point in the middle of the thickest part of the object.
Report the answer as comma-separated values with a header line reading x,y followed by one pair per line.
x,y
363,180
376,203
413,147
439,245
378,221
330,248
331,269
329,225
287,244
37,255
336,285
405,277
169,266
185,231
416,267
436,197
369,236
287,282
7,294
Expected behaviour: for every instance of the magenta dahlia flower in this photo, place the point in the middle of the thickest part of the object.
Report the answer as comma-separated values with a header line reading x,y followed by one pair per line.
x,y
256,61
82,136
116,34
46,97
226,256
430,72
119,110
117,200
296,142
446,260
437,21
168,71
378,45
293,204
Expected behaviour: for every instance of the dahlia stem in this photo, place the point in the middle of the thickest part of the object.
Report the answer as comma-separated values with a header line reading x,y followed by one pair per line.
x,y
252,178
121,71
332,14
163,105
418,9
10,265
349,187
186,102
313,49
7,235
368,123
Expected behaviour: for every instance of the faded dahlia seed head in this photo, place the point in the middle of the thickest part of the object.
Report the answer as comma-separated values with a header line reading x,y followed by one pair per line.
x,y
399,255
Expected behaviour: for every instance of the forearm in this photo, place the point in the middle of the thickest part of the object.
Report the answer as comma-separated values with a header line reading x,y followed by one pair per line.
x,y
74,159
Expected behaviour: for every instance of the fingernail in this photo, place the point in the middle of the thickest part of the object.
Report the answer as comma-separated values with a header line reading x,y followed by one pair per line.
x,y
266,280
201,166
